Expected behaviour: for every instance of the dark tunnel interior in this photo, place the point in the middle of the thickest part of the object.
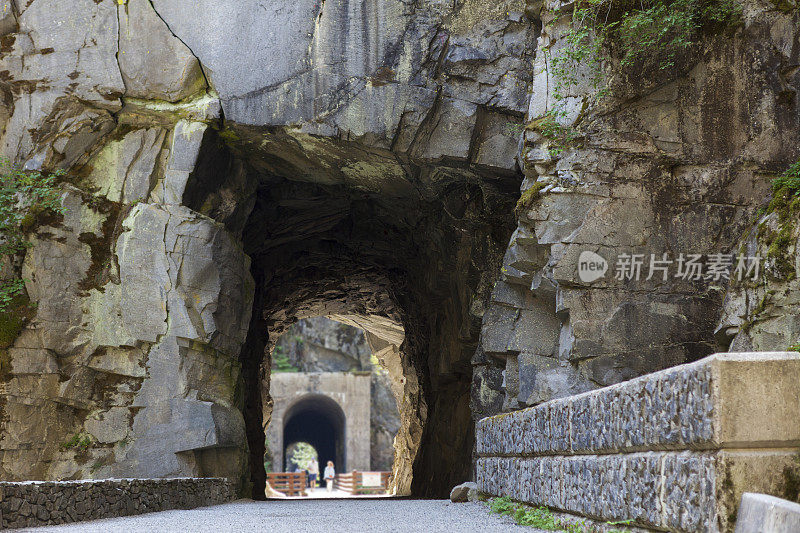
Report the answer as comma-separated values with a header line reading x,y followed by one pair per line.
x,y
321,423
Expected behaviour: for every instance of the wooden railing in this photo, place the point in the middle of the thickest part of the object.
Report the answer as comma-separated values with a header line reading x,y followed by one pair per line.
x,y
289,483
356,482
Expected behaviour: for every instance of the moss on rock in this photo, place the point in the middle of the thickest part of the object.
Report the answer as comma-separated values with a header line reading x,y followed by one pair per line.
x,y
785,204
12,320
528,197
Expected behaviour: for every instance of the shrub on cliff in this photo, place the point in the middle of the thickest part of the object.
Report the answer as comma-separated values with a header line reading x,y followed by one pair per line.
x,y
25,199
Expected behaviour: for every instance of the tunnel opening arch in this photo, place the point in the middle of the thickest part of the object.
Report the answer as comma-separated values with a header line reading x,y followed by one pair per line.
x,y
333,250
320,421
420,250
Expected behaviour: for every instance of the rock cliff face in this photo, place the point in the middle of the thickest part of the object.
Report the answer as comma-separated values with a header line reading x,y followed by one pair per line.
x,y
140,363
323,345
243,165
229,173
673,161
761,314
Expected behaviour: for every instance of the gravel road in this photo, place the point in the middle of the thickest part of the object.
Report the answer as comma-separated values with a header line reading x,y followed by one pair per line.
x,y
294,516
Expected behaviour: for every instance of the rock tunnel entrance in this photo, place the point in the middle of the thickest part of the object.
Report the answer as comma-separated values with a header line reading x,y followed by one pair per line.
x,y
329,384
320,422
335,229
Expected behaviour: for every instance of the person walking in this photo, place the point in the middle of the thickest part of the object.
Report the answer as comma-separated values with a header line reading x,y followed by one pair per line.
x,y
330,473
313,472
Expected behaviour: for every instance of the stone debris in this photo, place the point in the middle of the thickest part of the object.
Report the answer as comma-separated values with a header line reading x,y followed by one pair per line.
x,y
466,492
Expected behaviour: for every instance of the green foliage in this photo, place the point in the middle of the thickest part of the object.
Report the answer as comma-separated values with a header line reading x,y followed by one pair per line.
x,y
786,203
540,517
280,361
794,348
502,505
661,27
303,453
789,182
525,515
15,309
648,33
79,442
25,197
582,53
665,29
267,456
10,290
559,136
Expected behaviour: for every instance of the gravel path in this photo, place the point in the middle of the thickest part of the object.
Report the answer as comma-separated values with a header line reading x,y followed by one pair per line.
x,y
293,516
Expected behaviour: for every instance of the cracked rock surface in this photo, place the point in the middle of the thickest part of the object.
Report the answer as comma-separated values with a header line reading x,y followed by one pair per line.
x,y
216,195
242,165
670,162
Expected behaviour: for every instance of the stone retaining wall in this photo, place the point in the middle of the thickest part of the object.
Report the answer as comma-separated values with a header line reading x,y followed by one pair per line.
x,y
671,450
38,503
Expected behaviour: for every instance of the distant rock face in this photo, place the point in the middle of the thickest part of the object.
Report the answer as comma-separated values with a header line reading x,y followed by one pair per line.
x,y
320,344
323,345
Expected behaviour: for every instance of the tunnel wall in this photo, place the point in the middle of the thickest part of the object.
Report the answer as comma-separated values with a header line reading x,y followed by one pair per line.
x,y
350,391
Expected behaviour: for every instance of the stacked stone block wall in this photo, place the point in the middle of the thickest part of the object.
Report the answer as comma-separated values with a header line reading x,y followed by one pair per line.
x,y
671,450
38,503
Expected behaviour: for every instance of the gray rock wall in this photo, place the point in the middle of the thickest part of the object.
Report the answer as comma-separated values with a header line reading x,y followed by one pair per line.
x,y
674,450
320,344
653,168
35,504
377,158
760,313
141,308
